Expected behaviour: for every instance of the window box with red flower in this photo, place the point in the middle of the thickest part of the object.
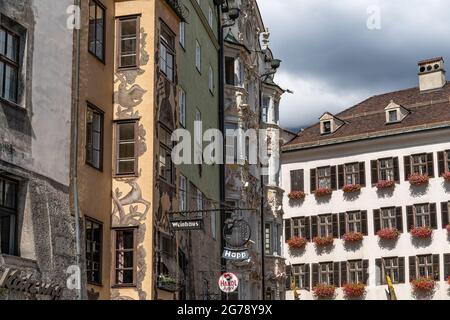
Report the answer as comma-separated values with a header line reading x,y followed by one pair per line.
x,y
446,176
418,179
324,291
297,243
448,228
385,184
421,232
323,241
296,195
354,290
448,280
352,237
351,188
423,285
388,234
323,192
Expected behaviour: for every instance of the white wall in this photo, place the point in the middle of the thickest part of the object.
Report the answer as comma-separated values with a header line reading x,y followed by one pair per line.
x,y
369,199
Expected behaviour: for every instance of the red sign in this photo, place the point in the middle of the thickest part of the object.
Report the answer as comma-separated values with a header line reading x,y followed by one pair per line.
x,y
228,282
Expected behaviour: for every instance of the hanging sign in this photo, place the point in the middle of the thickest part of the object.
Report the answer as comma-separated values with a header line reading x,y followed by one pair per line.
x,y
228,282
191,224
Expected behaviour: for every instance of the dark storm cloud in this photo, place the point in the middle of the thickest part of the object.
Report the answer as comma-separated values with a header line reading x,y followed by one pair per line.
x,y
332,60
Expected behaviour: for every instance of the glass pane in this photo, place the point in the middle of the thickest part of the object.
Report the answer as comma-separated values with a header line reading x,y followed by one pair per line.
x,y
96,158
126,131
2,75
10,195
97,122
92,26
5,223
10,83
126,166
124,276
2,41
126,150
96,140
128,28
1,192
128,61
12,47
128,46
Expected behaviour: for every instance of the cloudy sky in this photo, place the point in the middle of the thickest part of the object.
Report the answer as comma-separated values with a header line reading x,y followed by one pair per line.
x,y
332,60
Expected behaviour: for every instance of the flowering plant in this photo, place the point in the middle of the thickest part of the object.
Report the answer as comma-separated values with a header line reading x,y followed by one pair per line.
x,y
349,188
353,237
446,176
324,291
385,184
448,280
448,228
423,284
322,192
297,242
388,234
421,232
323,241
418,179
296,195
354,290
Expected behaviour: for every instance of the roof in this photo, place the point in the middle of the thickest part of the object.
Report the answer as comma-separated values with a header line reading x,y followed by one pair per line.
x,y
430,60
367,119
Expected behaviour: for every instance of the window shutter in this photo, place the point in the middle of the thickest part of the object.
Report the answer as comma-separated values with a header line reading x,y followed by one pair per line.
x,y
297,180
287,229
307,277
313,227
307,229
315,274
409,217
340,176
364,227
436,271
342,224
366,271
374,171
396,170
412,268
376,221
333,178
444,213
401,270
362,174
336,271
335,226
343,273
288,277
433,216
313,180
446,266
407,164
441,163
379,272
399,216
430,165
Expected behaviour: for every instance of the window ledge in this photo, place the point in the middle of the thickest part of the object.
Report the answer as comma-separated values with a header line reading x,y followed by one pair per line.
x,y
18,262
12,104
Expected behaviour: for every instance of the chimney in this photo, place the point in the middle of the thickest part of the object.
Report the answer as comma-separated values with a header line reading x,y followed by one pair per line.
x,y
431,74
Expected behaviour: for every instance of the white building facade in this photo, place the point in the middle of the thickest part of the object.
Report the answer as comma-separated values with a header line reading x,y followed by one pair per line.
x,y
377,166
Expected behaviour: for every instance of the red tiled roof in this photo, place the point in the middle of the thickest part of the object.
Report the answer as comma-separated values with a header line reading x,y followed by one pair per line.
x,y
367,119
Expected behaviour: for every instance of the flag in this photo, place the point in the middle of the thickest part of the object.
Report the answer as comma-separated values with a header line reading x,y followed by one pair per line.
x,y
392,295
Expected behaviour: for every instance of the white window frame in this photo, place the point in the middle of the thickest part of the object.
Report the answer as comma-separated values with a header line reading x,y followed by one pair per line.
x,y
211,79
198,56
210,16
182,193
183,34
182,111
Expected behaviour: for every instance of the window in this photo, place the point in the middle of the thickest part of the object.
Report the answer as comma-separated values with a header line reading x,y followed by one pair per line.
x,y
355,271
419,164
388,218
386,167
231,142
94,234
352,173
9,65
297,182
422,215
183,194
125,247
165,154
182,102
126,163
326,127
326,273
299,227
392,269
393,116
265,109
354,221
183,34
447,161
167,52
268,239
96,29
94,137
324,177
300,276
213,225
325,225
210,17
425,266
198,56
229,71
211,79
129,42
8,216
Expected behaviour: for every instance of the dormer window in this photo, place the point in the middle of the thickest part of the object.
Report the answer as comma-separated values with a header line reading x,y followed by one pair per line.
x,y
395,113
393,116
326,127
329,124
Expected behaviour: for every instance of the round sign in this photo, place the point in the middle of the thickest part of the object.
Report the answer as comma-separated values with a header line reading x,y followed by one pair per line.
x,y
228,282
237,233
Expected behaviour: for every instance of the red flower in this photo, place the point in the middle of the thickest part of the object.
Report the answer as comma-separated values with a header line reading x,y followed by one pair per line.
x,y
354,290
349,188
297,242
353,237
446,176
384,184
418,179
323,241
296,195
448,228
421,232
324,291
448,280
423,284
388,234
322,192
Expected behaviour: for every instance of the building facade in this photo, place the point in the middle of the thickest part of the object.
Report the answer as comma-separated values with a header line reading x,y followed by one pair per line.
x,y
365,188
